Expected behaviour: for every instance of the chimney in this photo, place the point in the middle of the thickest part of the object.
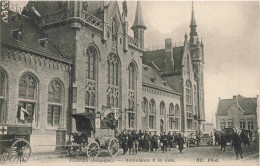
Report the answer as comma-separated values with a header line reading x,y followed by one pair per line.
x,y
169,48
234,98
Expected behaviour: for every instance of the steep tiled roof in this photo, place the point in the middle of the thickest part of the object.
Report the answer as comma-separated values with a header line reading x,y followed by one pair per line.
x,y
164,63
160,59
248,105
153,79
223,106
30,36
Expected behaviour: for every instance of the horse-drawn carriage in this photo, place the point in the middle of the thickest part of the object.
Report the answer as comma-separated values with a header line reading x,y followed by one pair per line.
x,y
15,143
93,136
226,133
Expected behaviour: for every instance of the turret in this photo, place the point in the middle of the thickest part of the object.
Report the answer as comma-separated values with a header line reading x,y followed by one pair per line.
x,y
139,26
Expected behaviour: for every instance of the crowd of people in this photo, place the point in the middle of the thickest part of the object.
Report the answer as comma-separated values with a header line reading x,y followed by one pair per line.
x,y
134,141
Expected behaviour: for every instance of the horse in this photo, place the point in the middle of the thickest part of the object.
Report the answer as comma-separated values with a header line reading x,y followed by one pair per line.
x,y
217,136
245,139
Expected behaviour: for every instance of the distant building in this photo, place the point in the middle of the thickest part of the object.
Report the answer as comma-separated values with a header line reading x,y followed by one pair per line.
x,y
239,112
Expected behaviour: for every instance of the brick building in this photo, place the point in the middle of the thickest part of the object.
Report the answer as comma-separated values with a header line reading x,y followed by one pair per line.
x,y
239,112
66,57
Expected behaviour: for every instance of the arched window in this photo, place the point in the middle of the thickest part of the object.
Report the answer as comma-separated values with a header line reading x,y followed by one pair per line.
x,y
113,70
55,94
162,108
132,76
171,116
27,99
189,104
91,63
3,88
177,117
171,109
90,87
145,105
152,114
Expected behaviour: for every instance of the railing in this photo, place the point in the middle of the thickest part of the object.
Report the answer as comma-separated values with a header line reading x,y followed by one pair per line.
x,y
55,17
133,42
93,21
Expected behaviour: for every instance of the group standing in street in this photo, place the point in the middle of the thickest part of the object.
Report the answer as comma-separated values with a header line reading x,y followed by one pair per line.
x,y
134,141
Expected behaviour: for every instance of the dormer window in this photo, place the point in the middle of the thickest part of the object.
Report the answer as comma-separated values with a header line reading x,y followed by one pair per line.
x,y
17,34
153,79
145,68
164,83
43,42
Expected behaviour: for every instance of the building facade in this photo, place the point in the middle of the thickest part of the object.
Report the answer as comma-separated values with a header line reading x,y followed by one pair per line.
x,y
68,57
182,68
239,112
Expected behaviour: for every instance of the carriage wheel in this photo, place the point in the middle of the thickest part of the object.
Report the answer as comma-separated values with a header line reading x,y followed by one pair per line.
x,y
93,149
4,155
113,147
20,151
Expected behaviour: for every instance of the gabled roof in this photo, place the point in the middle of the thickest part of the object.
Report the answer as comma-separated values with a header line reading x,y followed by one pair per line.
x,y
164,63
30,36
153,79
161,60
248,105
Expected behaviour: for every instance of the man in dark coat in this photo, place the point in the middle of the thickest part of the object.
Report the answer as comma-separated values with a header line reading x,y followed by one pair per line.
x,y
169,140
146,141
223,142
135,141
154,142
180,142
124,141
140,140
165,142
130,141
236,143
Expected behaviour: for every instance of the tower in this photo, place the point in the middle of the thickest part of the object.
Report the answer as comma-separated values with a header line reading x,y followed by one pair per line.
x,y
139,26
193,26
197,54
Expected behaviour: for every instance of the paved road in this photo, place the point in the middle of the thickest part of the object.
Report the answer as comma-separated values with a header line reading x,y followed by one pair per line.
x,y
194,155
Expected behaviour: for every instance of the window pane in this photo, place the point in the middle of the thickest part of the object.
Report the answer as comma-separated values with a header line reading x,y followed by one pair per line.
x,y
56,115
30,109
22,89
108,72
50,94
50,115
31,90
117,75
2,83
87,64
112,74
1,110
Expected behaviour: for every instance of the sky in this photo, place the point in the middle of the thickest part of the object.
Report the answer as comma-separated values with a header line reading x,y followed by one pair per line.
x,y
230,31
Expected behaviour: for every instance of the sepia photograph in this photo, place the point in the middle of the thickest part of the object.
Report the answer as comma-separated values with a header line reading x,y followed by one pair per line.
x,y
85,82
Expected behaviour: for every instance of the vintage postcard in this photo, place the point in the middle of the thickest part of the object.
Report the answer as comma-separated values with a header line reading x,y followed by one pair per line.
x,y
129,82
